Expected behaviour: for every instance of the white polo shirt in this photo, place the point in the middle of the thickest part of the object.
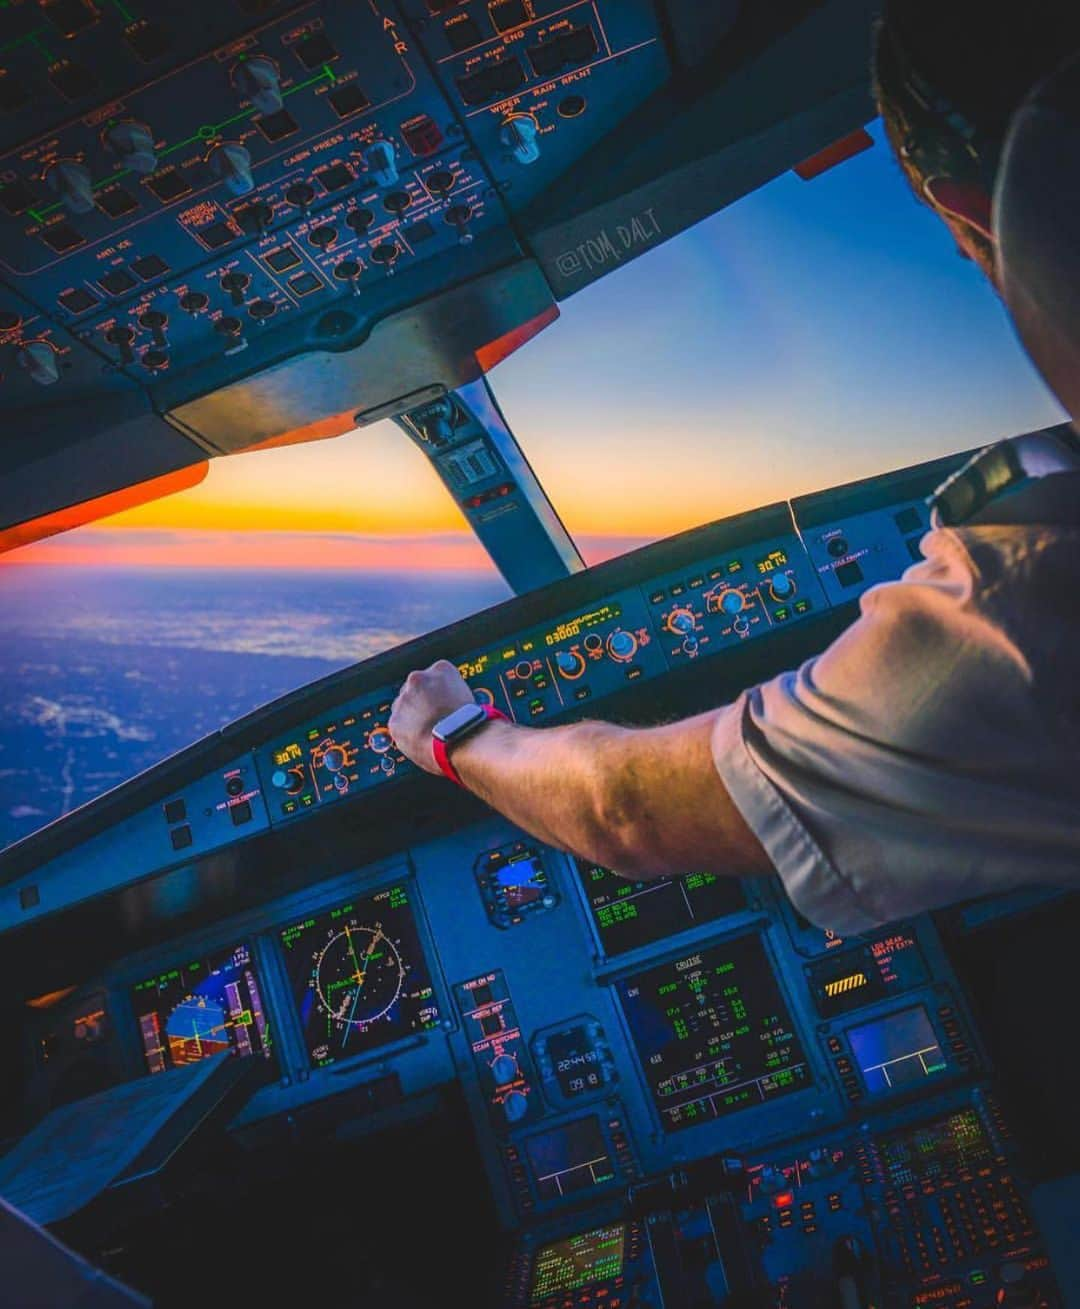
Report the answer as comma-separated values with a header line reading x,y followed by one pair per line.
x,y
932,752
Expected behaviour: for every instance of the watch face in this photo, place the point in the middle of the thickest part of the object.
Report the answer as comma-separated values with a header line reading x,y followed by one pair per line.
x,y
455,725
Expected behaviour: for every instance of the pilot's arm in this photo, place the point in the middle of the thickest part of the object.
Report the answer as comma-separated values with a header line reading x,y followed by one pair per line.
x,y
919,760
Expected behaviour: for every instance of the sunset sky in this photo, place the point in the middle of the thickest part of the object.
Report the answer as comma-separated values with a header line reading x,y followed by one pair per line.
x,y
811,334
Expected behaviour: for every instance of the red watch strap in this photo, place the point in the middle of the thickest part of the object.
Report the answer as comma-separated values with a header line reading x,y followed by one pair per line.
x,y
441,750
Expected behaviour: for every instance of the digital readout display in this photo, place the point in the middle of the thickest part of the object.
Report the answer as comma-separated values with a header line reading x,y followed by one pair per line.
x,y
897,1052
541,640
772,561
579,1262
569,1159
713,1033
629,914
850,979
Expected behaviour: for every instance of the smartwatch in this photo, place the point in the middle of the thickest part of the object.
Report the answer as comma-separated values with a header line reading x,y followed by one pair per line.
x,y
455,727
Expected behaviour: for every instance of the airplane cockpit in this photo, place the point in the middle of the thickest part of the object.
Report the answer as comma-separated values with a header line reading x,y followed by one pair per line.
x,y
285,1016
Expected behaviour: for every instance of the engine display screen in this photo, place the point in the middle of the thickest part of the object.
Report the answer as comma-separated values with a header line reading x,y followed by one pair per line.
x,y
631,914
201,1008
578,1262
713,1033
897,1052
359,977
851,979
571,1158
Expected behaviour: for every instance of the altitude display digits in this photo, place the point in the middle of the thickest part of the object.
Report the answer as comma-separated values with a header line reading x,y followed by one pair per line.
x,y
359,977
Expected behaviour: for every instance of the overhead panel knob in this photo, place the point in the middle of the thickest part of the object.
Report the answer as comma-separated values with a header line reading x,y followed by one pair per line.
x,y
380,161
38,360
518,133
71,182
231,164
134,143
259,81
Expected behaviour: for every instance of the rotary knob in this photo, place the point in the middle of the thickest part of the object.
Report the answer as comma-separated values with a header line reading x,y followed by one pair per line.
x,y
515,1106
231,163
782,586
730,602
518,134
291,781
504,1069
38,361
70,182
259,81
134,143
381,163
681,622
569,663
380,740
622,645
334,759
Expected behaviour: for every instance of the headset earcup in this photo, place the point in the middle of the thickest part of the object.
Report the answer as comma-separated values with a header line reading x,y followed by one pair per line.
x,y
1037,227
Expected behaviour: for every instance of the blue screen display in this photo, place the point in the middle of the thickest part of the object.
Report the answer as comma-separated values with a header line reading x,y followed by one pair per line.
x,y
898,1051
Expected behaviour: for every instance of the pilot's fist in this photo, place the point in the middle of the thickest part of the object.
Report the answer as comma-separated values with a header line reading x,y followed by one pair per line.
x,y
427,696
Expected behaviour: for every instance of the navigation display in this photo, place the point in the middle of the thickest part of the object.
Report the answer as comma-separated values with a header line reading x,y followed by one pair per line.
x,y
631,914
201,1008
713,1033
897,1052
578,1262
569,1159
359,977
851,979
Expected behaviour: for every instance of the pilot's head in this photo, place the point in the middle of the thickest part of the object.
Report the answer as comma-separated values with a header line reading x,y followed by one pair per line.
x,y
949,74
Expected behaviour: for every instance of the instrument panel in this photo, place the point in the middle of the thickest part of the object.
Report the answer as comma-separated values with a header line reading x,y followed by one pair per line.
x,y
561,668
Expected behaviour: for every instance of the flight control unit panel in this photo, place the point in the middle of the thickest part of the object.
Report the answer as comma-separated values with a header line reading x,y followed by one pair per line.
x,y
678,1083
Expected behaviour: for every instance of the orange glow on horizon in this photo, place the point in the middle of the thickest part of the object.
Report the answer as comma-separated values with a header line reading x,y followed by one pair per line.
x,y
127,548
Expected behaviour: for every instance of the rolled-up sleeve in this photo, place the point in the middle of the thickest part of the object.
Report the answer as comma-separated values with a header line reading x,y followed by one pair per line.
x,y
899,770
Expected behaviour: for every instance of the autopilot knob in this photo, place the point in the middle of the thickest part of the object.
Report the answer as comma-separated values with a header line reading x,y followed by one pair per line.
x,y
134,143
681,621
70,181
731,602
38,360
782,586
569,663
290,781
380,161
622,645
230,163
259,81
504,1069
515,1106
518,134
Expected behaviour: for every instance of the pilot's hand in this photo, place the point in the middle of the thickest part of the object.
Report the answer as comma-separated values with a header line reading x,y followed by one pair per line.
x,y
427,696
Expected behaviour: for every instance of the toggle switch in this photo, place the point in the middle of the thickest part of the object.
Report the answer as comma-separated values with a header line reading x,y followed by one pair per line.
x,y
258,80
134,143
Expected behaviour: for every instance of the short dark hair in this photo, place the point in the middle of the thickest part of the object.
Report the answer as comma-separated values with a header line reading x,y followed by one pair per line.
x,y
949,74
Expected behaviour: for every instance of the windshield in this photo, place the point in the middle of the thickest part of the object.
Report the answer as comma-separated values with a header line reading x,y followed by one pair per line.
x,y
812,334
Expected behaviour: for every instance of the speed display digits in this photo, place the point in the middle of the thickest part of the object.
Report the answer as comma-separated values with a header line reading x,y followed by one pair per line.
x,y
713,1033
359,977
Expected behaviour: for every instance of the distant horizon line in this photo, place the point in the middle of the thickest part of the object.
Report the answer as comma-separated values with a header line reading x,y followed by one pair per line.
x,y
248,550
